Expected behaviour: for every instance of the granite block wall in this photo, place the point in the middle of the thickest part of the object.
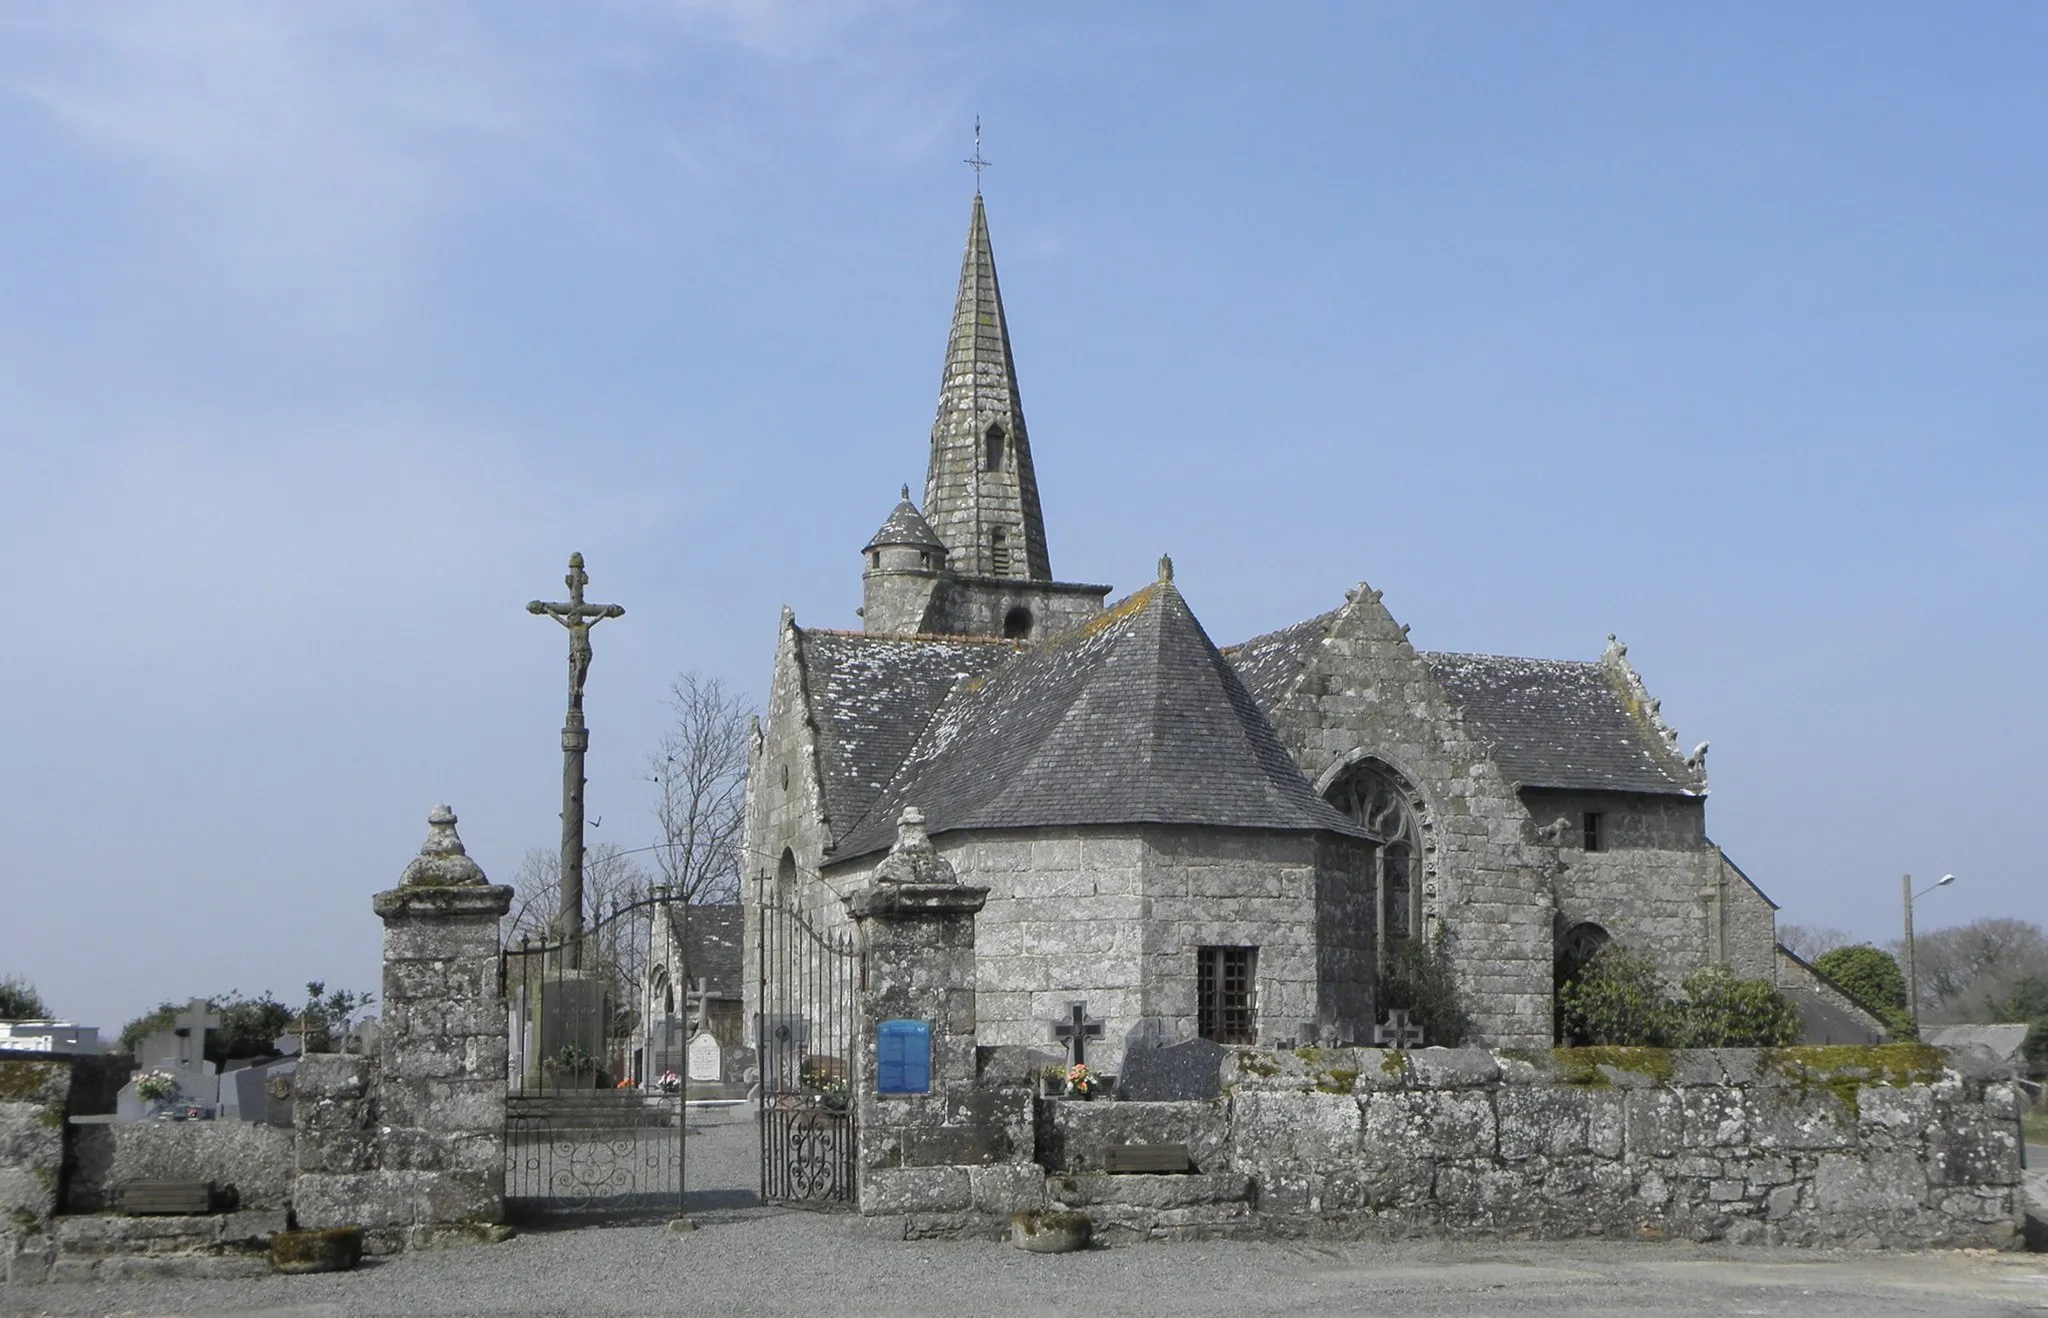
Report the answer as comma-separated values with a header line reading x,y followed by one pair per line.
x,y
1900,1147
250,1163
33,1094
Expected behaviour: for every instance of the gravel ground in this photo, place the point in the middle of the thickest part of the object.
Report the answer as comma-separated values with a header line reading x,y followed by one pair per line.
x,y
745,1259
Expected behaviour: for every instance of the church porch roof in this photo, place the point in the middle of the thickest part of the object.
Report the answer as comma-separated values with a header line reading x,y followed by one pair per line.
x,y
869,696
1563,724
1131,718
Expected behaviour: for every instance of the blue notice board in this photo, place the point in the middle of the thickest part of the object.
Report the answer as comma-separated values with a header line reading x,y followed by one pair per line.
x,y
903,1057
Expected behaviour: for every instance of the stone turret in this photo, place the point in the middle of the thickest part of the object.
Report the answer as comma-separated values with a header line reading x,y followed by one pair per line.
x,y
974,562
905,561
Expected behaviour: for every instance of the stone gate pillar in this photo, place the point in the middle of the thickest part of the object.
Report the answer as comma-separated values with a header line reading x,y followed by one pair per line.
x,y
431,1131
958,1156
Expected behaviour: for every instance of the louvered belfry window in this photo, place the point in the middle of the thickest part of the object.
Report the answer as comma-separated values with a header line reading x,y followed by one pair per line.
x,y
1224,978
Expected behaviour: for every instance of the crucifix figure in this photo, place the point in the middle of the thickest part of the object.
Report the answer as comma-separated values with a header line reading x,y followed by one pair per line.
x,y
1397,1032
1076,1031
579,617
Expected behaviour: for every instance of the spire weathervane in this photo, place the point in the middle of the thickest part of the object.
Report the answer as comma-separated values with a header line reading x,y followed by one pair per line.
x,y
975,162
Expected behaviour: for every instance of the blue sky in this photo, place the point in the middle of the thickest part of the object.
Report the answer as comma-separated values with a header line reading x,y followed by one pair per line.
x,y
326,331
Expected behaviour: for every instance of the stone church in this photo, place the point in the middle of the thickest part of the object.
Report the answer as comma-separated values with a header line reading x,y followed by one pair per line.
x,y
1219,842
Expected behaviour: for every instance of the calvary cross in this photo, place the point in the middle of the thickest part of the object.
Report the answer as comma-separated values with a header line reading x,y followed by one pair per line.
x,y
1076,1031
579,618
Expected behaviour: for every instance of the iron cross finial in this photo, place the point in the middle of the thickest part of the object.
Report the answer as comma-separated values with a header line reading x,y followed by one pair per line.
x,y
975,162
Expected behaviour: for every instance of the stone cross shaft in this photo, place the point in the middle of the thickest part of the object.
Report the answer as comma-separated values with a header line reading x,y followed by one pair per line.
x,y
1076,1030
190,1028
578,617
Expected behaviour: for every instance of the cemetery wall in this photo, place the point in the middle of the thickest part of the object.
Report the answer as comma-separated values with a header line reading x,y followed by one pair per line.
x,y
249,1163
1893,1147
33,1095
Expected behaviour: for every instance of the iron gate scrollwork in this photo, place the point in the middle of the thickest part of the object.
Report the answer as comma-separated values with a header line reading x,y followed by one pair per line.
x,y
586,1135
805,1030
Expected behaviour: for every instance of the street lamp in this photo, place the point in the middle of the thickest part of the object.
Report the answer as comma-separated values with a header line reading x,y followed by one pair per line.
x,y
1912,975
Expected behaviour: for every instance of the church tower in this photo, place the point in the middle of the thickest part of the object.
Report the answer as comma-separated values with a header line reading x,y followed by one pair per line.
x,y
974,562
980,492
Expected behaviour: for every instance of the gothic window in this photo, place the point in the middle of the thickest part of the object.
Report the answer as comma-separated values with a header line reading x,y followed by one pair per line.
x,y
664,991
998,550
1017,623
1224,1009
992,455
785,875
1373,797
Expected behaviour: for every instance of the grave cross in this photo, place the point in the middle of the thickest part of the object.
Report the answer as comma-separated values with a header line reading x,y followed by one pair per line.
x,y
1076,1031
1397,1031
190,1028
579,617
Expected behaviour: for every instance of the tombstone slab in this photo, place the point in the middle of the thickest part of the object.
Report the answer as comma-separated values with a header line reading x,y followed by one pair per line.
x,y
706,1059
1180,1072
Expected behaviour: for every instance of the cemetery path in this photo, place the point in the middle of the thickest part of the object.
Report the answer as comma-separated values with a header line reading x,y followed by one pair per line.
x,y
746,1259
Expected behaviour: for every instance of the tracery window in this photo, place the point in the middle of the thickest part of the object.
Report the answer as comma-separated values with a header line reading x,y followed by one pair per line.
x,y
1373,797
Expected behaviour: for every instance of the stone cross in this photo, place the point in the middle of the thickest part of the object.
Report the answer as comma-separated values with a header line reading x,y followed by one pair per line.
x,y
190,1028
579,617
1076,1031
1397,1032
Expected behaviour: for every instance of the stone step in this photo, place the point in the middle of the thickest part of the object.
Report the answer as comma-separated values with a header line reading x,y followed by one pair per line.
x,y
1193,1190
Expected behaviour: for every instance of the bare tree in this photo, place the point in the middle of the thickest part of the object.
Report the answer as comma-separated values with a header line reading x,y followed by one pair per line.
x,y
1967,971
611,879
1808,941
700,769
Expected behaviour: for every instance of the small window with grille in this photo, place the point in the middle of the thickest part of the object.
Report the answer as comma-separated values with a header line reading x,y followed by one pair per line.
x,y
1591,833
998,550
1224,977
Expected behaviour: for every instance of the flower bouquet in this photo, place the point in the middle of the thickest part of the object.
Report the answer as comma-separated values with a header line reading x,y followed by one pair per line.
x,y
155,1086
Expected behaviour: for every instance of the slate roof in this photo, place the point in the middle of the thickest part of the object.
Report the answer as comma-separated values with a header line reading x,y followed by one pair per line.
x,y
1269,664
713,939
1132,718
870,697
906,526
1560,723
1555,723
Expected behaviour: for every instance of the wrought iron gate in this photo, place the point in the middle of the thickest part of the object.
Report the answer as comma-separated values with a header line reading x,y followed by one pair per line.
x,y
586,1137
806,1028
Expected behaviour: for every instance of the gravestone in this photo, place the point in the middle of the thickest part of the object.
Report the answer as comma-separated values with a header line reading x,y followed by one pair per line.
x,y
706,1059
1180,1072
181,1050
1397,1032
1075,1029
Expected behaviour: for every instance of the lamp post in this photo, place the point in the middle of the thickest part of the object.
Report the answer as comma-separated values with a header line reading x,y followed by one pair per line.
x,y
1912,972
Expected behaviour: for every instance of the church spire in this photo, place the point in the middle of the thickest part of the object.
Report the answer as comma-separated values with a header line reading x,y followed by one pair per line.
x,y
981,494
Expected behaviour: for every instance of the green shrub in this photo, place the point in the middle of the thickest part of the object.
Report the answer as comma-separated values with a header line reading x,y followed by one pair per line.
x,y
19,1001
1416,975
1872,979
1721,1011
1618,999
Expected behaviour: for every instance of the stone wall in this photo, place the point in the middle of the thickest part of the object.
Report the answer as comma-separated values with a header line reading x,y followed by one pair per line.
x,y
33,1094
1896,1147
249,1163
